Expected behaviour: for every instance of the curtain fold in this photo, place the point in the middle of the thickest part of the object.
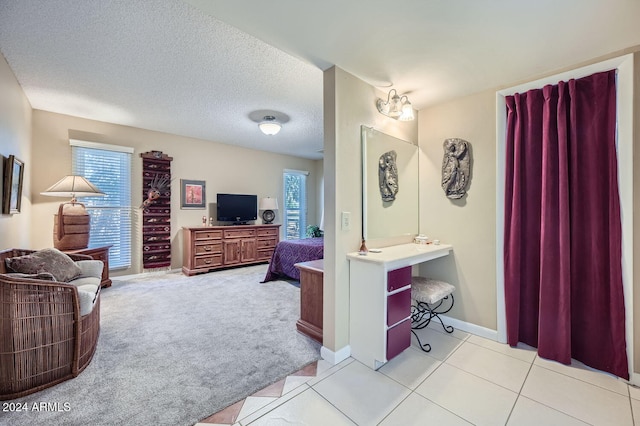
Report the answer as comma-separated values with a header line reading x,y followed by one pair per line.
x,y
563,234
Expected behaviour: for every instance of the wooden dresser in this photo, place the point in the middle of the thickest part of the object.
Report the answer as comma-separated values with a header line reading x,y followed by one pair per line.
x,y
311,298
212,247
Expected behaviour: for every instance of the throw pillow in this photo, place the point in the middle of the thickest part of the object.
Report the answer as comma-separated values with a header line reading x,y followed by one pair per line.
x,y
51,260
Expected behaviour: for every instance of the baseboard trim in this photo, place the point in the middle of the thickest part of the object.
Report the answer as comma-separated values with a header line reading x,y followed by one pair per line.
x,y
334,358
468,327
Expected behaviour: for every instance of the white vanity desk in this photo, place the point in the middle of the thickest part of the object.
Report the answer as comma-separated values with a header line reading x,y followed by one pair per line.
x,y
380,300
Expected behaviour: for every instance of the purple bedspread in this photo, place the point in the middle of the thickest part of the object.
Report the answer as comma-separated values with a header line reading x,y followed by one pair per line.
x,y
290,252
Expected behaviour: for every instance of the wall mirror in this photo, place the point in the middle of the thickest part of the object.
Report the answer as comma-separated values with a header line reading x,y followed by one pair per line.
x,y
389,186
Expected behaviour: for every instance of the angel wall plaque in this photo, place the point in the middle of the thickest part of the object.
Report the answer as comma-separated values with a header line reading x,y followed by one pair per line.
x,y
388,176
456,167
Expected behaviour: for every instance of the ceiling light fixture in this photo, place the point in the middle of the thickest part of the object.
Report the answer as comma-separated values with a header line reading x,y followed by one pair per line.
x,y
269,125
396,106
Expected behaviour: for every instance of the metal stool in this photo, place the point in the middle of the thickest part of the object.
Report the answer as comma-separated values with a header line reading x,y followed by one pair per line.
x,y
431,298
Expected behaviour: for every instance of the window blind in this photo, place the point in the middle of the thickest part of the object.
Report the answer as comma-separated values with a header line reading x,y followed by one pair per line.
x,y
295,203
110,170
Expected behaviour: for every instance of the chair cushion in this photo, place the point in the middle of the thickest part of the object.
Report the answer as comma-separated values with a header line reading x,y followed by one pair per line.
x,y
91,268
51,260
429,291
84,280
88,294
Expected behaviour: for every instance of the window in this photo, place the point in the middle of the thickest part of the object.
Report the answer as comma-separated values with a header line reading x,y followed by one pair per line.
x,y
295,204
109,168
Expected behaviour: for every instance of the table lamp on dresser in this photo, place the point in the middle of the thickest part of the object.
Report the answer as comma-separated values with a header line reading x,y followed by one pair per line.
x,y
71,226
268,205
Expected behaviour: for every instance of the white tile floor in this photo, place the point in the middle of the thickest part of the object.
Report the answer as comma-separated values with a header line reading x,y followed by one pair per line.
x,y
464,380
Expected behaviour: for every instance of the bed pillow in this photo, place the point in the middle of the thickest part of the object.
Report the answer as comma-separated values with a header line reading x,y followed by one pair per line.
x,y
51,260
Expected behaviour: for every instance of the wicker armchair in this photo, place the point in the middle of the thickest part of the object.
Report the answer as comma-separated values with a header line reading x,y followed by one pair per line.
x,y
43,338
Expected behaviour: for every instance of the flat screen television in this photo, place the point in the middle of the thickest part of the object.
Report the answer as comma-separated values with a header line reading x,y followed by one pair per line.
x,y
237,208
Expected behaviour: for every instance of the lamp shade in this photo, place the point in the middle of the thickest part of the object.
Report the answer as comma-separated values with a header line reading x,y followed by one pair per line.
x,y
268,204
407,112
73,186
71,226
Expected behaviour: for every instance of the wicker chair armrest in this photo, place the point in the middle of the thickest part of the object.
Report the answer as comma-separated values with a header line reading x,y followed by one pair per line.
x,y
49,310
13,279
27,284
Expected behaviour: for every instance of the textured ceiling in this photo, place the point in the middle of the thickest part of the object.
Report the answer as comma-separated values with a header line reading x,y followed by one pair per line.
x,y
160,65
202,68
437,50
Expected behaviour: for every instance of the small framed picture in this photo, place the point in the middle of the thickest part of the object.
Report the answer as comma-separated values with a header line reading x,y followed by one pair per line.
x,y
12,195
192,194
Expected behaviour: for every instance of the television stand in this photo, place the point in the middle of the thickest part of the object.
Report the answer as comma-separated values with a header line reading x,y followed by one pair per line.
x,y
207,248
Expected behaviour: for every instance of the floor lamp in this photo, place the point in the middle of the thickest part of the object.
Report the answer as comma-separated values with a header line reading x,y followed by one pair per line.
x,y
71,226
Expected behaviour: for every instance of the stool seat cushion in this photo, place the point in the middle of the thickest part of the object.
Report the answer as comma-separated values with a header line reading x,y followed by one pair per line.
x,y
429,291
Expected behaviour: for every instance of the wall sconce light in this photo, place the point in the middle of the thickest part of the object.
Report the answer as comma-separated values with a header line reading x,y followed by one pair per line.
x,y
269,125
396,106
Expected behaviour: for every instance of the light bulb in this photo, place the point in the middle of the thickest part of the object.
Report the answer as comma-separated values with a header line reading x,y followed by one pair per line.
x,y
269,126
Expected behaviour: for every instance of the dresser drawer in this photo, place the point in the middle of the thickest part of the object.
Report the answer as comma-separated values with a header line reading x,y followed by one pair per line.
x,y
266,242
398,307
208,248
398,278
398,339
265,254
239,233
208,261
267,232
207,235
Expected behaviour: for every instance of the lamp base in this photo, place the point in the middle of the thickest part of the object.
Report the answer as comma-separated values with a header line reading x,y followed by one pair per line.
x,y
71,227
268,216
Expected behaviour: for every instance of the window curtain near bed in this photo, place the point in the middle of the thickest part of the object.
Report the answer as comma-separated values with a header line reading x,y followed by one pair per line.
x,y
563,232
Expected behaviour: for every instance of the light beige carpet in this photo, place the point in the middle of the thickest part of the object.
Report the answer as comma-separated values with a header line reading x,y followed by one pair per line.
x,y
175,349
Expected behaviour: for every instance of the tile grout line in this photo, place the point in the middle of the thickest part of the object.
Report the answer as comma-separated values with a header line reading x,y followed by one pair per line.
x,y
331,404
513,407
236,418
545,405
579,379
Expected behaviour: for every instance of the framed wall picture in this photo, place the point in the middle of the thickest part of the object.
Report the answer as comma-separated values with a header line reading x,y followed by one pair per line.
x,y
192,194
12,194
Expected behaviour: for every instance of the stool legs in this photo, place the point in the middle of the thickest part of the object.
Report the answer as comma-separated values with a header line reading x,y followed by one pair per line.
x,y
425,347
422,313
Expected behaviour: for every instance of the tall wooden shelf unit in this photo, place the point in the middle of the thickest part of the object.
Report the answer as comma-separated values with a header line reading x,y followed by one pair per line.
x,y
156,218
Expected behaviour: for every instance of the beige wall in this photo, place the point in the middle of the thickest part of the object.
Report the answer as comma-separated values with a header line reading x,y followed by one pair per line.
x,y
636,210
348,103
469,223
225,168
15,139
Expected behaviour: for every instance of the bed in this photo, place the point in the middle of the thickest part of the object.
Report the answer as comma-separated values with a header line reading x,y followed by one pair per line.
x,y
290,252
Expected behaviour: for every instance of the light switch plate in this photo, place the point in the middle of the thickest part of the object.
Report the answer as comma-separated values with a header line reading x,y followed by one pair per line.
x,y
346,221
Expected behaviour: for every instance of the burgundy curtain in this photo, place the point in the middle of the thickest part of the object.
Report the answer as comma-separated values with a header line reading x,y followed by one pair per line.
x,y
563,235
